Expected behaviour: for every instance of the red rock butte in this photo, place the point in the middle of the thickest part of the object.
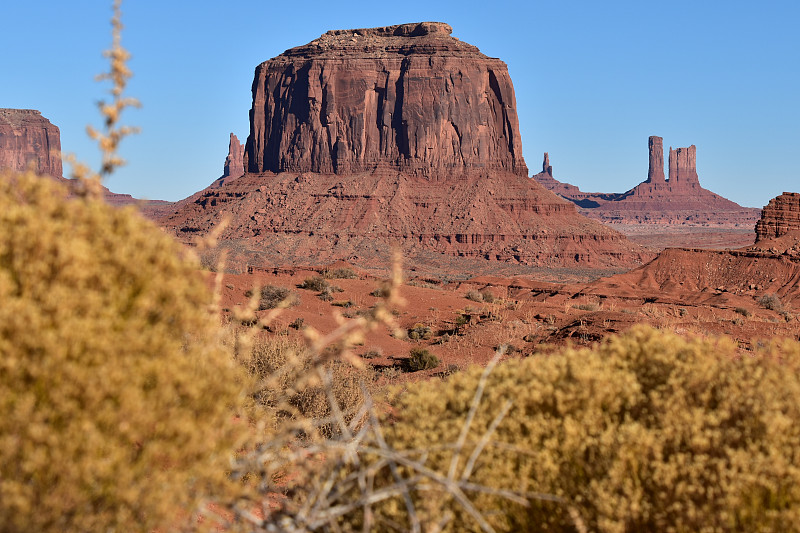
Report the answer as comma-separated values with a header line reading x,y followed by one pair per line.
x,y
657,200
411,97
29,139
400,135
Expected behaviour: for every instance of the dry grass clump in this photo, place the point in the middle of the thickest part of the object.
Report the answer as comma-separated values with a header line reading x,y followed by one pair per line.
x,y
420,331
273,296
646,432
480,296
281,368
339,273
115,398
314,283
771,302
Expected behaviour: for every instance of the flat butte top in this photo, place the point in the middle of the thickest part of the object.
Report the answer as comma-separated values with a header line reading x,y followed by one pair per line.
x,y
427,38
20,117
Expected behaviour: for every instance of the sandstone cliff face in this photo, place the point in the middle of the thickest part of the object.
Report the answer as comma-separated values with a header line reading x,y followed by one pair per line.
x,y
779,217
410,97
234,162
26,137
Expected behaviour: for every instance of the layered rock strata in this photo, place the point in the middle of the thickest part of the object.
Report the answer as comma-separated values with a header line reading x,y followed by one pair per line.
x,y
305,217
410,97
779,217
29,139
677,200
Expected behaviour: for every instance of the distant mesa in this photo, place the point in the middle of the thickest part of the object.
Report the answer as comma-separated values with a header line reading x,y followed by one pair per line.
x,y
677,200
29,140
780,217
400,135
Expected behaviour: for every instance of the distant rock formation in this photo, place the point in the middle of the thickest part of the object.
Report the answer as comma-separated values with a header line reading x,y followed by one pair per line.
x,y
401,135
545,178
27,138
683,167
677,200
234,163
410,97
655,172
779,217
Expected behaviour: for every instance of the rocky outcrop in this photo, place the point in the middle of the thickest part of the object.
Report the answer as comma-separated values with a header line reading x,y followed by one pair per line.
x,y
27,138
683,167
779,217
677,200
234,162
408,97
655,172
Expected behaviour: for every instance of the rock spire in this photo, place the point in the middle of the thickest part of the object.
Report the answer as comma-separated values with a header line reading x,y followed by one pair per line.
x,y
655,172
234,162
683,166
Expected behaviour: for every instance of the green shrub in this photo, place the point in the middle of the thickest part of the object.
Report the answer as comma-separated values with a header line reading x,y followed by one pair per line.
x,y
421,359
314,283
115,396
646,432
273,296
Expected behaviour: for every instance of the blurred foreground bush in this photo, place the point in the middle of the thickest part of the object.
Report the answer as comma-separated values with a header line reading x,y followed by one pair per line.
x,y
115,398
647,432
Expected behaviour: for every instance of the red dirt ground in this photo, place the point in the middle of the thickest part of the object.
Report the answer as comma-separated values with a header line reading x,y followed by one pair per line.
x,y
685,291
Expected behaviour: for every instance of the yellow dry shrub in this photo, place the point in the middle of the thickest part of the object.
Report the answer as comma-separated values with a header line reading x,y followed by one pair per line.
x,y
288,388
115,397
646,432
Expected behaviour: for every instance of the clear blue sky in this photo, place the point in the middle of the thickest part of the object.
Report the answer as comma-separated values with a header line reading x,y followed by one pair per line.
x,y
593,80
